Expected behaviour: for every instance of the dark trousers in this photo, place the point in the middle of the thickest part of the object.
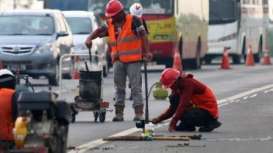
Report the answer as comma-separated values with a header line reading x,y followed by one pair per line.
x,y
196,117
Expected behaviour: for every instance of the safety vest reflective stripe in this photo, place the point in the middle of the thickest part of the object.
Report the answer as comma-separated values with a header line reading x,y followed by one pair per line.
x,y
128,46
124,40
129,52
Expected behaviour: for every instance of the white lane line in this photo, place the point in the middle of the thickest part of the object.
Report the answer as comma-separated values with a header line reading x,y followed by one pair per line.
x,y
252,96
243,94
233,99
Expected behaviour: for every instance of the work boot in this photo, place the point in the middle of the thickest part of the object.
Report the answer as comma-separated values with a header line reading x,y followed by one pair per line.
x,y
211,126
138,113
119,113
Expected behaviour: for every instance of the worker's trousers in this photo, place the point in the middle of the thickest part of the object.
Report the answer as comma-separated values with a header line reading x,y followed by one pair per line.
x,y
133,71
196,117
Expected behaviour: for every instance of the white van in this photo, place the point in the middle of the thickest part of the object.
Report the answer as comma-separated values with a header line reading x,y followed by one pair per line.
x,y
82,23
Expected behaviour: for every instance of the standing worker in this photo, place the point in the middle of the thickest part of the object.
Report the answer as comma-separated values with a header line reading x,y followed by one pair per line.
x,y
136,9
129,46
8,109
191,102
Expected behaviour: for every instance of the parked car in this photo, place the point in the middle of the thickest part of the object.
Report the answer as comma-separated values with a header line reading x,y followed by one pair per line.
x,y
33,42
82,23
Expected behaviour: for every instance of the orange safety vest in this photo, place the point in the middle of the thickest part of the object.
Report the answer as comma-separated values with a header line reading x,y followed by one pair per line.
x,y
127,46
6,121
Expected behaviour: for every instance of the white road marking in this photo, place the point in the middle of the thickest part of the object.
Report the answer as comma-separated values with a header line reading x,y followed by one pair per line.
x,y
233,99
252,96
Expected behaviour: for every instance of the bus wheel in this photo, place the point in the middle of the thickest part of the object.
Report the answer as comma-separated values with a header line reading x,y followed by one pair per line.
x,y
260,51
197,60
236,59
168,62
208,60
257,58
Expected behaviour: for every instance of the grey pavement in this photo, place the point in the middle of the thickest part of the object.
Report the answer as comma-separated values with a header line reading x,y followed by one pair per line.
x,y
247,128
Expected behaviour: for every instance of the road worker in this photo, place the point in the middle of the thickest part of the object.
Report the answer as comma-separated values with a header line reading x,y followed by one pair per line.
x,y
192,103
129,46
136,9
8,109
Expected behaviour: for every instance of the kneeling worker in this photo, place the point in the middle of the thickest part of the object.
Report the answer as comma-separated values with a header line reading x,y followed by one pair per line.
x,y
191,102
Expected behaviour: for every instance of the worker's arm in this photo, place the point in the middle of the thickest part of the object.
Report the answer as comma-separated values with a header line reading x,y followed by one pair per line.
x,y
183,103
100,32
165,115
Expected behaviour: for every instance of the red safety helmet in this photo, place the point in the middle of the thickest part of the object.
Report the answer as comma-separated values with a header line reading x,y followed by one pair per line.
x,y
169,76
113,7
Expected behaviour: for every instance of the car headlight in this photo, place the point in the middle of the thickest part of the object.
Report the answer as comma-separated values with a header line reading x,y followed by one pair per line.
x,y
44,48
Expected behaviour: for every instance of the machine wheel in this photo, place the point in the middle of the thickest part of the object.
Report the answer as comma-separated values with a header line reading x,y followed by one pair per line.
x,y
105,71
102,116
96,116
73,120
60,140
54,79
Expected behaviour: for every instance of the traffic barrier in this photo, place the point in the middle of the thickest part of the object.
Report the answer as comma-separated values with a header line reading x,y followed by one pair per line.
x,y
266,59
177,62
250,57
225,59
75,71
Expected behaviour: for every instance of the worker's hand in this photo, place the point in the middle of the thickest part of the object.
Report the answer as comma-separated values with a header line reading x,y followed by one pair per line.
x,y
88,43
155,120
148,56
172,125
114,57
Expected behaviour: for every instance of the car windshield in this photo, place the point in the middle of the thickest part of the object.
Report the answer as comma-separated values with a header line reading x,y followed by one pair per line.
x,y
150,6
223,11
79,25
26,25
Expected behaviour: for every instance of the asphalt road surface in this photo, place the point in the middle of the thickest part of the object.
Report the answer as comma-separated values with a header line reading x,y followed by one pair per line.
x,y
246,111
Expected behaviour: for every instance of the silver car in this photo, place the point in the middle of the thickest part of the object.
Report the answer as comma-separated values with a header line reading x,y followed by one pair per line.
x,y
32,41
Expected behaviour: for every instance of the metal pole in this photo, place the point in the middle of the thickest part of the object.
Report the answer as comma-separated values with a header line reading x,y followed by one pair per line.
x,y
146,93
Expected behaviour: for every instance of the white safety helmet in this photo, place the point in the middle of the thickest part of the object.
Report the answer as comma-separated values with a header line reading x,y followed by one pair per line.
x,y
7,72
6,77
136,9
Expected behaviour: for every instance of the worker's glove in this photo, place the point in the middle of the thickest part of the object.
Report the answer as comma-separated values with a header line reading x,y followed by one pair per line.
x,y
88,43
156,120
148,56
172,125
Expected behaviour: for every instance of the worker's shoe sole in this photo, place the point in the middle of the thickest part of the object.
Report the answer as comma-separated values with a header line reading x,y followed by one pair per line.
x,y
210,127
183,128
118,119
